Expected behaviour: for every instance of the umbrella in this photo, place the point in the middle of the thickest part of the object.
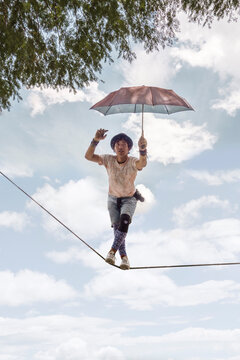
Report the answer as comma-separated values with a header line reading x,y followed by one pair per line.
x,y
140,99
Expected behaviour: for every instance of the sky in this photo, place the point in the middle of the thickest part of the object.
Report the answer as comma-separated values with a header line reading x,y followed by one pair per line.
x,y
59,300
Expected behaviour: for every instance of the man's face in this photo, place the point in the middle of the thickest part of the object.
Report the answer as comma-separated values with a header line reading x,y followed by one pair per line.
x,y
121,148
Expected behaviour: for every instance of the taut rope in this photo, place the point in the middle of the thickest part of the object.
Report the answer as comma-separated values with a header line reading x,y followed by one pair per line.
x,y
90,247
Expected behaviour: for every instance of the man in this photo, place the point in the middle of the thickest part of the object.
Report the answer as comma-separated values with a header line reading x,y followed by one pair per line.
x,y
122,197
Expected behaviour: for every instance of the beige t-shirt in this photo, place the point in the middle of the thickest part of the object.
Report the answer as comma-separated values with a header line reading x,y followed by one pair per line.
x,y
121,176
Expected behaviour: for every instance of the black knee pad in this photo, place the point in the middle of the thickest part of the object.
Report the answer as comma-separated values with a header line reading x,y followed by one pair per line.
x,y
125,220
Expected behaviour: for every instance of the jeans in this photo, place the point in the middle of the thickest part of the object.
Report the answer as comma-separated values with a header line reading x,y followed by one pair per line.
x,y
119,206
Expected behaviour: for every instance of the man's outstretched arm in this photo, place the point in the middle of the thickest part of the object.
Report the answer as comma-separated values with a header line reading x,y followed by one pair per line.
x,y
100,135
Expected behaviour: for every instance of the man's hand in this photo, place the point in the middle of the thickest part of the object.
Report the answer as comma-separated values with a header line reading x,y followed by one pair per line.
x,y
142,143
100,134
142,162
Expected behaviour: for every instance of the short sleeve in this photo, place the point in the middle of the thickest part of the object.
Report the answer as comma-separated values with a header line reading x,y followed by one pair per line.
x,y
104,160
133,162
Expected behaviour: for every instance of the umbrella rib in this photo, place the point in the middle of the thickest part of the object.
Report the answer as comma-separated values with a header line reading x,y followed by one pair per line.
x,y
151,95
166,109
110,105
107,110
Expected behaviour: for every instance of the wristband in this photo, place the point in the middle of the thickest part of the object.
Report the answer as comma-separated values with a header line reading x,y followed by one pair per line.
x,y
94,142
143,152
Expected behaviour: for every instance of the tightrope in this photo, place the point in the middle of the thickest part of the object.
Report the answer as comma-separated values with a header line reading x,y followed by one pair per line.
x,y
102,257
54,217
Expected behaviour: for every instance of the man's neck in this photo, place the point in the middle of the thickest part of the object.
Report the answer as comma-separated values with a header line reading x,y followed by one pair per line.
x,y
122,159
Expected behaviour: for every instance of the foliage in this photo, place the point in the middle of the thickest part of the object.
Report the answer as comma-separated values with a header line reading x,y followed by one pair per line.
x,y
63,43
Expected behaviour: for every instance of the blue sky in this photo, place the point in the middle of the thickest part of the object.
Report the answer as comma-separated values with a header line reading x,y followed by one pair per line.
x,y
59,300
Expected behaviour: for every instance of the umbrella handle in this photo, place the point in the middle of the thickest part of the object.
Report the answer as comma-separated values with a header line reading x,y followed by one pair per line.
x,y
142,119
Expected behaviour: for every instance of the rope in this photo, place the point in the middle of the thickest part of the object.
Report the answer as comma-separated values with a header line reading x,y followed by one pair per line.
x,y
182,266
54,217
90,247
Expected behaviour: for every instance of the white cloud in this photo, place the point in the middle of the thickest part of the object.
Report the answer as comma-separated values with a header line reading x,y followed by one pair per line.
x,y
149,200
60,337
73,349
81,205
150,69
230,102
16,169
217,49
109,353
172,142
83,254
210,47
200,51
131,289
192,335
217,177
40,99
28,287
14,220
186,213
35,102
72,254
213,242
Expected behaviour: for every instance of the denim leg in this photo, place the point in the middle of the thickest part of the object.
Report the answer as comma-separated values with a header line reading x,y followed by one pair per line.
x,y
113,210
128,206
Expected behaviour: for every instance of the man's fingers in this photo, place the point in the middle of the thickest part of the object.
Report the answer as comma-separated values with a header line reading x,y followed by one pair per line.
x,y
142,143
101,133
